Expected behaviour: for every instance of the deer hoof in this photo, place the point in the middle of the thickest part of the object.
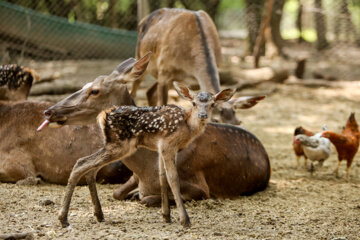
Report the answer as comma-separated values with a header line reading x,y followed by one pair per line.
x,y
186,222
166,218
64,223
99,217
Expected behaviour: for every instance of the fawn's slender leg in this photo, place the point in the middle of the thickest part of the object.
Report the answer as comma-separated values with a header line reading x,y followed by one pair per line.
x,y
91,181
84,165
169,158
165,206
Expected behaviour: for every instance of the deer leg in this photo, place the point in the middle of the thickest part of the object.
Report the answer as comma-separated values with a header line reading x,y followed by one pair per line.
x,y
165,206
173,180
162,90
83,166
151,95
121,192
91,181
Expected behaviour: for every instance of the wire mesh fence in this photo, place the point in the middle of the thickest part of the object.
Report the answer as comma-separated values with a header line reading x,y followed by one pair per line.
x,y
328,31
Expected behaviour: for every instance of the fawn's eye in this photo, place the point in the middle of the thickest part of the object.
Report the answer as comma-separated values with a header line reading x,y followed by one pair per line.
x,y
94,92
194,104
213,105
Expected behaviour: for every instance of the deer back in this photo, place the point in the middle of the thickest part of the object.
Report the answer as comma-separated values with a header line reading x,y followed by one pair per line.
x,y
185,44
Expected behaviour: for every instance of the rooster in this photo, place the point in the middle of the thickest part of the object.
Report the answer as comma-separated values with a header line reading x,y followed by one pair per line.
x,y
298,149
316,147
346,143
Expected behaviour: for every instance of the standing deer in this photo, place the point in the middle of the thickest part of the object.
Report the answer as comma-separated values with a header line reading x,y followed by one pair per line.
x,y
164,129
236,164
185,45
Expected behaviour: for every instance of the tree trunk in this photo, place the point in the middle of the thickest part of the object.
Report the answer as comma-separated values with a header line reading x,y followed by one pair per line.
x,y
350,28
320,26
275,24
274,41
142,9
299,22
211,7
265,23
112,14
253,20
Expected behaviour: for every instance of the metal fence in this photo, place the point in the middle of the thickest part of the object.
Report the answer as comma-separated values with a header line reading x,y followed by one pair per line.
x,y
328,30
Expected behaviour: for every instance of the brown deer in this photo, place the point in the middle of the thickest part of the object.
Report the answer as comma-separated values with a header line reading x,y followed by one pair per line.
x,y
236,164
25,156
164,129
16,82
185,45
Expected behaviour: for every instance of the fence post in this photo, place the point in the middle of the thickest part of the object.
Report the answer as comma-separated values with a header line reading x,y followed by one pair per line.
x,y
142,9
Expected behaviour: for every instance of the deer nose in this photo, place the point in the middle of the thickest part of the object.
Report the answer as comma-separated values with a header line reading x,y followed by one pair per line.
x,y
203,115
48,113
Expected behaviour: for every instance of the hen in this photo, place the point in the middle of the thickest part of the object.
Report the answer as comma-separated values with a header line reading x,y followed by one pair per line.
x,y
298,149
316,147
346,143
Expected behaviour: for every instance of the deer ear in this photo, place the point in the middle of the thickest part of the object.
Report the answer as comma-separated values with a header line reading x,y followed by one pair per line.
x,y
224,95
139,68
183,91
130,70
245,102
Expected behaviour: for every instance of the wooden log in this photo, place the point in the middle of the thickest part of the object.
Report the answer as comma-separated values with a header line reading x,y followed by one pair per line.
x,y
261,37
313,83
263,74
27,236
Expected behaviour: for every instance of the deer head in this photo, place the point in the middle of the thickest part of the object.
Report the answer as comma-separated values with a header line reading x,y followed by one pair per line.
x,y
83,106
204,102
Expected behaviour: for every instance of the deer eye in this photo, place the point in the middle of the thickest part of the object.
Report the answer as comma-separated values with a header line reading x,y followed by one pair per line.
x,y
194,104
213,105
94,92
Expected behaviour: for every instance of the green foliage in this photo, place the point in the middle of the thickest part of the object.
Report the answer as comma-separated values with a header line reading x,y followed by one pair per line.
x,y
230,4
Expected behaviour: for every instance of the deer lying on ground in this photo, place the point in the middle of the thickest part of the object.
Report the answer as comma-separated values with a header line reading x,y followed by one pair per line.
x,y
185,45
16,82
25,156
225,161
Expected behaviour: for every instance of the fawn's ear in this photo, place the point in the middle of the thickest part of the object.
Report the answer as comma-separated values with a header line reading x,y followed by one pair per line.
x,y
245,102
224,95
183,91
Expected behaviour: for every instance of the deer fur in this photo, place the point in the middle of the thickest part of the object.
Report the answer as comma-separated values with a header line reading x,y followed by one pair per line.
x,y
16,82
185,45
228,169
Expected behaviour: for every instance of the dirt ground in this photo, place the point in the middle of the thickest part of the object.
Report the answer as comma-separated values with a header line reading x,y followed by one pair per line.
x,y
294,206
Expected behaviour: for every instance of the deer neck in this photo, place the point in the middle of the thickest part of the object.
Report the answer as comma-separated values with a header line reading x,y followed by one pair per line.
x,y
194,123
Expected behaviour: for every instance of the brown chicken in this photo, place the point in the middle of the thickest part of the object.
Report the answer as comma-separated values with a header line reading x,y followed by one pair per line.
x,y
346,143
298,149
